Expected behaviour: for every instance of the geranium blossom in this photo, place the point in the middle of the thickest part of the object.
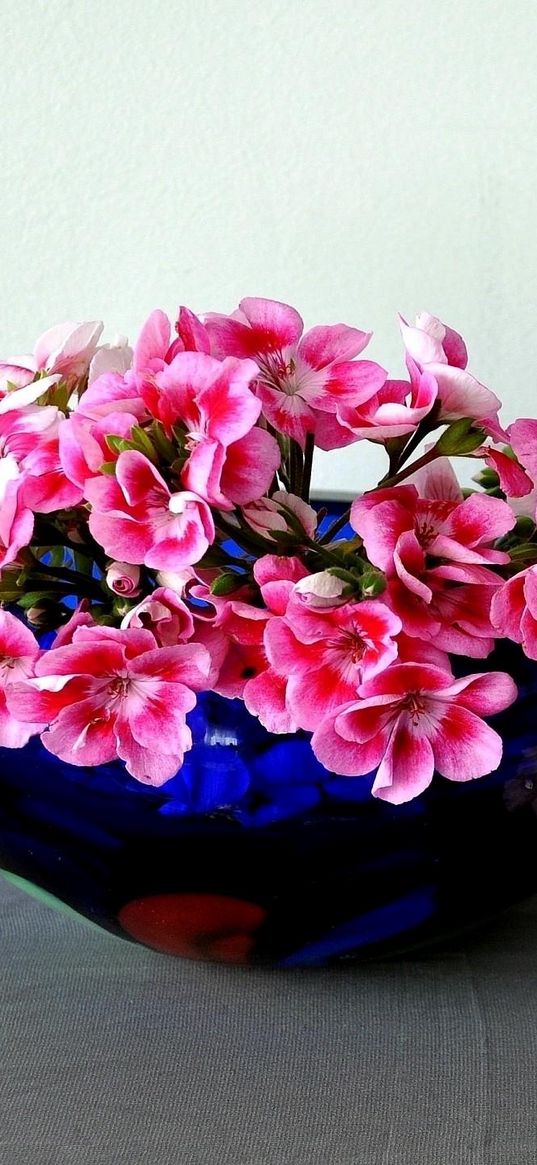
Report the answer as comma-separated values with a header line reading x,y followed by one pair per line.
x,y
19,652
326,654
16,520
394,411
31,437
156,526
441,352
115,693
137,519
411,720
228,460
411,535
163,613
514,610
299,376
66,349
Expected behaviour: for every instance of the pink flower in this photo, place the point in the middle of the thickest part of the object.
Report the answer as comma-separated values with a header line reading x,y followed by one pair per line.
x,y
437,552
328,653
165,615
265,693
441,352
19,652
66,349
411,720
514,610
16,520
31,436
453,617
123,579
137,519
277,578
395,410
154,348
449,537
299,376
229,461
232,631
83,445
113,693
523,438
432,342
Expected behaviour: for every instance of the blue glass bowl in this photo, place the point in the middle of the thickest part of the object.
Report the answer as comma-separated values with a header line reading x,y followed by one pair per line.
x,y
255,853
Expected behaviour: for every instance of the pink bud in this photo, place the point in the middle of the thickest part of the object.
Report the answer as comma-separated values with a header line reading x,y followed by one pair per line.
x,y
123,578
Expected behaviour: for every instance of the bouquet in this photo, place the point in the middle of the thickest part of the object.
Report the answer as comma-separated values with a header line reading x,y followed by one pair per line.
x,y
157,540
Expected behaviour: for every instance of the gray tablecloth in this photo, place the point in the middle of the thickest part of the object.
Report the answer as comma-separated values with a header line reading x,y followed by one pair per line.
x,y
112,1054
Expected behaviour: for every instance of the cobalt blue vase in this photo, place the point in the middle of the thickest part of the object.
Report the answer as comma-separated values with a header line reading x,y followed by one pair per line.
x,y
254,853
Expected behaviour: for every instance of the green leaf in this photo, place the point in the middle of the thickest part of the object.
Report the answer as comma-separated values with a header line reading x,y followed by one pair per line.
x,y
165,448
141,441
459,438
373,583
226,583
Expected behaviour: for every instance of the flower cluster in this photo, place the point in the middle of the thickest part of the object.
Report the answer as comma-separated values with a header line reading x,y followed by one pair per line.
x,y
157,539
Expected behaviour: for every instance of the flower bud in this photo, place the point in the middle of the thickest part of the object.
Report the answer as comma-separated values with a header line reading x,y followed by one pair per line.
x,y
123,578
321,589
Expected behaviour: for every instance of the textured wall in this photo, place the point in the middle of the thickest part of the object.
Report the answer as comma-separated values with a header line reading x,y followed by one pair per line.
x,y
354,158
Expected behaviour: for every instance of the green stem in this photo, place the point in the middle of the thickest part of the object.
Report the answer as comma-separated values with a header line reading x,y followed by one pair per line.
x,y
334,529
397,478
308,465
296,464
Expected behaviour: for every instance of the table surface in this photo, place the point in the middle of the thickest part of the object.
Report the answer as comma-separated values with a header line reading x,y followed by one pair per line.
x,y
111,1053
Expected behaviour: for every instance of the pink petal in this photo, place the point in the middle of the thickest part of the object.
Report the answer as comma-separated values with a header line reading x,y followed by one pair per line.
x,y
407,766
484,693
274,324
480,518
288,414
227,401
514,481
192,332
323,345
264,697
381,525
523,438
461,395
346,757
16,640
350,384
152,343
139,479
186,664
83,734
13,733
146,764
249,467
156,717
455,348
202,472
409,562
465,747
425,347
438,482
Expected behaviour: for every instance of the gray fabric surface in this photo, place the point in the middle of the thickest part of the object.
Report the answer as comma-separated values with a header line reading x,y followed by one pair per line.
x,y
110,1053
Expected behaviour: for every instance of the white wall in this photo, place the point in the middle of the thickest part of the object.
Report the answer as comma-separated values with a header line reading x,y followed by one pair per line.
x,y
351,157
